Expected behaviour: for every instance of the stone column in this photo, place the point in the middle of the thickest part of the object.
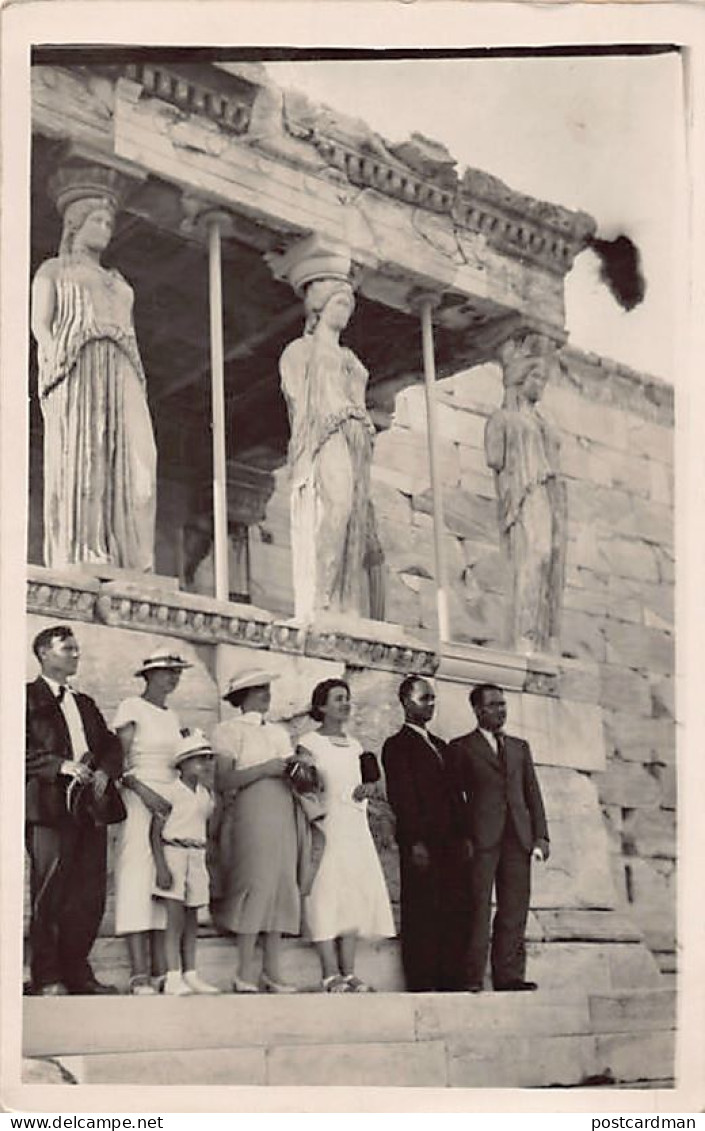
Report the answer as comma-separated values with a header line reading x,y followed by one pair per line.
x,y
337,557
523,449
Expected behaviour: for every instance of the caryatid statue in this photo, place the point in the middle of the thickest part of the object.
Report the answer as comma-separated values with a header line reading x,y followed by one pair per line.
x,y
522,448
99,452
337,557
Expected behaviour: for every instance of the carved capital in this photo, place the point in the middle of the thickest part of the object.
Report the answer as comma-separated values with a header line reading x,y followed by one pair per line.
x,y
421,298
310,259
80,176
249,491
523,349
199,213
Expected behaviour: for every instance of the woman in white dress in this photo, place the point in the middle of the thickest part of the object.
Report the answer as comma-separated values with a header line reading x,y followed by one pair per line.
x,y
150,735
254,882
348,898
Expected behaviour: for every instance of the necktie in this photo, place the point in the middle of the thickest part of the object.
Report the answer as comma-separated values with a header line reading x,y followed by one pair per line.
x,y
501,752
60,696
434,746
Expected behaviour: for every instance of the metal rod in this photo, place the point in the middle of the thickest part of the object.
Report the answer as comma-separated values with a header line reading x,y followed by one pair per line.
x,y
429,368
220,473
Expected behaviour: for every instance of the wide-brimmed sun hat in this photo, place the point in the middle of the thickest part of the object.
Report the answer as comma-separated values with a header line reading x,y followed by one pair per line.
x,y
249,677
192,744
163,658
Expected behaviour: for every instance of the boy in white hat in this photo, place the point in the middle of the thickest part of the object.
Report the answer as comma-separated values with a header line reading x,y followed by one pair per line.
x,y
179,849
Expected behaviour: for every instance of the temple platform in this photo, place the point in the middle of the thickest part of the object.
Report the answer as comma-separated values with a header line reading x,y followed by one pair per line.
x,y
535,1040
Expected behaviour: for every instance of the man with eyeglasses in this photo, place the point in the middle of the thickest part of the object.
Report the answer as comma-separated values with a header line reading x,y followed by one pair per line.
x,y
506,821
68,748
433,849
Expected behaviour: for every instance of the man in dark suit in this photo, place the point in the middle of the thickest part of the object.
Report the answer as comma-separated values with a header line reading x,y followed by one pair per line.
x,y
507,825
69,749
433,848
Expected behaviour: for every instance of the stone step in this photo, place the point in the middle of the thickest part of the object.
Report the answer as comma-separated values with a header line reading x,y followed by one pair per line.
x,y
389,1064
76,1025
441,1040
377,963
571,968
638,1010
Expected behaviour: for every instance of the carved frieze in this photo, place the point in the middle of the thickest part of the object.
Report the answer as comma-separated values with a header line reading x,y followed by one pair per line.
x,y
359,652
231,109
419,172
61,598
173,616
206,621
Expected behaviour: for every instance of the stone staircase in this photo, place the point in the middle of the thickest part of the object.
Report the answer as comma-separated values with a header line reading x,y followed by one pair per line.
x,y
561,1036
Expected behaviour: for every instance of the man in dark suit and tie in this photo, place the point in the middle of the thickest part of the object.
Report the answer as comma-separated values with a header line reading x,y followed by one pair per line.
x,y
507,825
68,748
433,847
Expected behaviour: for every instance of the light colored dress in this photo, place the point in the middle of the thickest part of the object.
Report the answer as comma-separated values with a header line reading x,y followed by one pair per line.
x,y
523,448
349,893
155,742
100,458
253,882
330,452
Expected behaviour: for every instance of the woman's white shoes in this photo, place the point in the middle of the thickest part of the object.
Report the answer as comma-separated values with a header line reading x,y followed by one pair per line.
x,y
336,984
141,986
357,986
175,985
197,985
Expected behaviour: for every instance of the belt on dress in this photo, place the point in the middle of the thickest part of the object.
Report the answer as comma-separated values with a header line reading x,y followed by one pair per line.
x,y
184,842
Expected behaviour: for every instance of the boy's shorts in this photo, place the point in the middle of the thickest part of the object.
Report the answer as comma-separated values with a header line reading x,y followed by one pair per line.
x,y
189,876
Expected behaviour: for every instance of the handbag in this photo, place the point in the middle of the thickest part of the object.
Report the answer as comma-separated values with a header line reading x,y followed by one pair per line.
x,y
301,772
369,768
83,805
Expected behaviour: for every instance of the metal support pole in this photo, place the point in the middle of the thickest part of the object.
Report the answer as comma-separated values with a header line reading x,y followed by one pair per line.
x,y
426,305
220,475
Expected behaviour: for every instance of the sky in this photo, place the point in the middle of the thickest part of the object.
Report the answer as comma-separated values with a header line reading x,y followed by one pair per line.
x,y
603,135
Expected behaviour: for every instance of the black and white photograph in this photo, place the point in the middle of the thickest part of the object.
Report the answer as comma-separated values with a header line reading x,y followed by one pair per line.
x,y
342,494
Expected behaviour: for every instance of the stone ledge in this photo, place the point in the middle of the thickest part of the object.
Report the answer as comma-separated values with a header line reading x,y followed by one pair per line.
x,y
181,1067
552,1061
648,1009
586,925
534,673
470,663
204,620
636,1056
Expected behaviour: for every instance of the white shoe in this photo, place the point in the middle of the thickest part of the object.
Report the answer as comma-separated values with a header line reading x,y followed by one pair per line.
x,y
175,986
197,985
141,986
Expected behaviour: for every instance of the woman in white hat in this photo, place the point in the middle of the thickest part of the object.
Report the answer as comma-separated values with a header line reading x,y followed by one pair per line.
x,y
254,886
150,734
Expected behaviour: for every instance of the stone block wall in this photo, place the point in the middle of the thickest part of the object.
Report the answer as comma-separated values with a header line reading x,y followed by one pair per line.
x,y
618,623
605,734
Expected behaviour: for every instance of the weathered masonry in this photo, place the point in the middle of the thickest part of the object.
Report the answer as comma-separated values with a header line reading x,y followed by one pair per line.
x,y
199,145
